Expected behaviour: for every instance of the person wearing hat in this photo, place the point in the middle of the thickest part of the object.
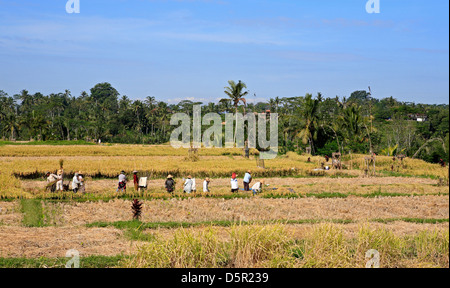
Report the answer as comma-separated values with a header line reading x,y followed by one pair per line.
x,y
234,183
122,182
135,180
188,184
59,184
205,185
75,183
247,180
170,184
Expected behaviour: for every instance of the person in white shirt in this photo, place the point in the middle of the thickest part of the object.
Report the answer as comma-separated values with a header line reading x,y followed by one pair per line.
x,y
188,185
234,183
205,185
257,187
52,179
122,182
194,187
59,184
75,183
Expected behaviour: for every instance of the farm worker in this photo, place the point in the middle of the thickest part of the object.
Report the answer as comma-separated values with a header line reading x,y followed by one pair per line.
x,y
75,183
194,186
122,182
59,184
188,185
51,177
205,185
234,183
170,184
257,187
247,180
82,188
136,180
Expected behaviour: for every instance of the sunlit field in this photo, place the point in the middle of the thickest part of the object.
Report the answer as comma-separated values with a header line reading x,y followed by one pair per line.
x,y
304,217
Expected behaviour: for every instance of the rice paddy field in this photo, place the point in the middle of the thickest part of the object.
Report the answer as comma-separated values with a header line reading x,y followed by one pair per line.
x,y
305,217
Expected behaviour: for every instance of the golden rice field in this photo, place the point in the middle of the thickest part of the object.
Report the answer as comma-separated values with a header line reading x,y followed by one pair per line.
x,y
304,217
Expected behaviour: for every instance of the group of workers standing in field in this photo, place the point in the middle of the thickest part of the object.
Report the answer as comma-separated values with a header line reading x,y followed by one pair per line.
x,y
189,185
56,182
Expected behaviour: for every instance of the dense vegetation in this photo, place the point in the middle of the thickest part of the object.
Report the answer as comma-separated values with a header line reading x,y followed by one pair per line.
x,y
359,123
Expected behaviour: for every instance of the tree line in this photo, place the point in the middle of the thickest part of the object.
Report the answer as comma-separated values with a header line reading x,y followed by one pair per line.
x,y
358,123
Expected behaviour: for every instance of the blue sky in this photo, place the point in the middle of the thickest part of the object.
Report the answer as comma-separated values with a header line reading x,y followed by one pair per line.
x,y
188,49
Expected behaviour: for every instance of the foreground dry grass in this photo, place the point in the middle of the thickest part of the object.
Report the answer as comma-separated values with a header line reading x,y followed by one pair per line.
x,y
52,242
323,245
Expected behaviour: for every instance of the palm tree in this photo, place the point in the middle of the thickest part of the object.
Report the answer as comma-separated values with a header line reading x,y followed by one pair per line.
x,y
236,93
277,102
353,124
8,116
309,113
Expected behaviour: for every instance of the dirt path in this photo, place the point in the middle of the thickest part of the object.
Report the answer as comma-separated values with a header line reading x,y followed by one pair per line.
x,y
9,213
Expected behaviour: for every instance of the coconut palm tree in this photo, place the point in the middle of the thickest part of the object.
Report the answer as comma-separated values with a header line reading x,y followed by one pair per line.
x,y
308,112
236,93
353,124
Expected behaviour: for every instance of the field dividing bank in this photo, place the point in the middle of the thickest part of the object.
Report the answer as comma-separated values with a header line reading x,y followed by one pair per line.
x,y
141,226
207,210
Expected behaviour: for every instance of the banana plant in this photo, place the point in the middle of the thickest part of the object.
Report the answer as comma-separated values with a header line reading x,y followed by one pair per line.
x,y
392,151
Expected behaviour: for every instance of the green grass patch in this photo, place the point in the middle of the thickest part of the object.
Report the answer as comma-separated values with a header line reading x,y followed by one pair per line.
x,y
138,225
85,262
33,215
379,194
412,220
386,173
327,195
